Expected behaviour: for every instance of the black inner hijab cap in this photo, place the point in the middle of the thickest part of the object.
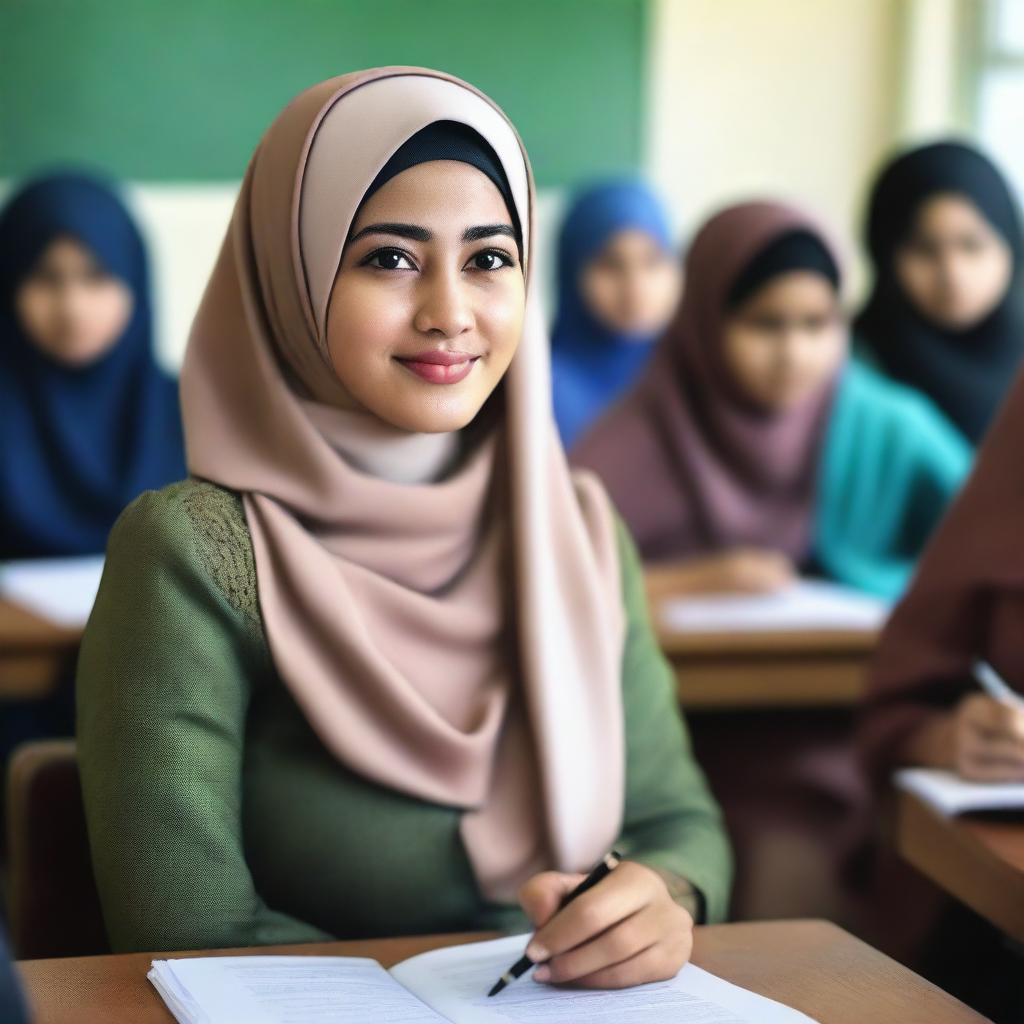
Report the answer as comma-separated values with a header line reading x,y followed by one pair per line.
x,y
795,250
450,140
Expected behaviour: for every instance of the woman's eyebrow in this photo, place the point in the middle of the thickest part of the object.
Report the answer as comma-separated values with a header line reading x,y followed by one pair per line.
x,y
416,233
487,231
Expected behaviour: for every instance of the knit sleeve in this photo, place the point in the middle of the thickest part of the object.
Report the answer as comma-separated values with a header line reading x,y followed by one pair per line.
x,y
164,678
671,821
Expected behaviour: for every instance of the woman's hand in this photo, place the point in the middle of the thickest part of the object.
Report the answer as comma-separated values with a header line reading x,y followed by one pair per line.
x,y
982,739
625,931
742,570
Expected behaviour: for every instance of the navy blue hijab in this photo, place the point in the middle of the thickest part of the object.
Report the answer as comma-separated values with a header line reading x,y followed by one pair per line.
x,y
966,372
592,365
77,444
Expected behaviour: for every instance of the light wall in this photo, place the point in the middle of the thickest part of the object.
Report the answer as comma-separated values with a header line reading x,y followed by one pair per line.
x,y
797,99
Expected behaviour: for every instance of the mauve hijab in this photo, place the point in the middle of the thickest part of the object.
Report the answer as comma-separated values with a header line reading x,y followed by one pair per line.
x,y
460,641
691,464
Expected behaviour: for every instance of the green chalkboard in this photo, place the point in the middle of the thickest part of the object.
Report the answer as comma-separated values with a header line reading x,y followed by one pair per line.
x,y
181,90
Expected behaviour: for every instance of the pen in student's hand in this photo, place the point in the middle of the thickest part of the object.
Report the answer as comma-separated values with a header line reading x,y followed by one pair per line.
x,y
608,864
995,686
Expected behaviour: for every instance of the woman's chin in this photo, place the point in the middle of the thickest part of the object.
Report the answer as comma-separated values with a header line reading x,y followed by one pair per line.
x,y
426,415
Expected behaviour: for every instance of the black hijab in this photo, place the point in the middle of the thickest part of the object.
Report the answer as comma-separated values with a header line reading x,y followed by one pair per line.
x,y
966,373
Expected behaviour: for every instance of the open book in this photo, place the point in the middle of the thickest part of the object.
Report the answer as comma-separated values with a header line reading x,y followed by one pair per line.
x,y
951,795
443,985
806,605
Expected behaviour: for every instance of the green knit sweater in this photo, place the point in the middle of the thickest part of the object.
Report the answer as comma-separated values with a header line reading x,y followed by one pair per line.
x,y
217,818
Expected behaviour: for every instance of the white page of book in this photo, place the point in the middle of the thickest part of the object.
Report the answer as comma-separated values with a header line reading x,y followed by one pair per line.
x,y
950,795
59,589
806,605
285,990
455,982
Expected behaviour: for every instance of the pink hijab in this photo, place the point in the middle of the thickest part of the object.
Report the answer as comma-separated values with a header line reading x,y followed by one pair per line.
x,y
692,465
460,642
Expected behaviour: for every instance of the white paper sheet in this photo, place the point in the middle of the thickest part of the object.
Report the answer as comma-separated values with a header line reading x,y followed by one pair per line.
x,y
455,982
285,990
806,605
59,589
951,795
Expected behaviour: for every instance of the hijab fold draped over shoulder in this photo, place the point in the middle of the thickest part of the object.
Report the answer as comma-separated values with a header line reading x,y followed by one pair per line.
x,y
460,642
78,443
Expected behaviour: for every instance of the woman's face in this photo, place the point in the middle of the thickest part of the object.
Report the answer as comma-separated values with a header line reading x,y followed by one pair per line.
x,y
786,340
632,285
70,306
427,308
955,267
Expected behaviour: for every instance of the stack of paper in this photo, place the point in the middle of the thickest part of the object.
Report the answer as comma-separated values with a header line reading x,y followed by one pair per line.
x,y
951,795
806,605
59,589
432,988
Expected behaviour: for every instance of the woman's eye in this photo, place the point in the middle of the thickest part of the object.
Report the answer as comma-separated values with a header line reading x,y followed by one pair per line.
x,y
490,261
389,259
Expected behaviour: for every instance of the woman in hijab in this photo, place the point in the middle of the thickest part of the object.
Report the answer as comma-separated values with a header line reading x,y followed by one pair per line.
x,y
924,708
382,663
89,421
946,314
752,447
618,285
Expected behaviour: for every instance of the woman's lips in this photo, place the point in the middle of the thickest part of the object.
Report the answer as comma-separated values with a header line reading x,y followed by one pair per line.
x,y
439,367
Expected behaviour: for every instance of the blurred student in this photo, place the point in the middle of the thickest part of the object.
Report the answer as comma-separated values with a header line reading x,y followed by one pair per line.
x,y
946,313
618,285
924,707
383,666
753,448
87,420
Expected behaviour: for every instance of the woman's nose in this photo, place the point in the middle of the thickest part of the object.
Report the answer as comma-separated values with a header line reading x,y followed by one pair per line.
x,y
444,307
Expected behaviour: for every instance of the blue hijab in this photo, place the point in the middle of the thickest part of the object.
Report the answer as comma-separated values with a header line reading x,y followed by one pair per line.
x,y
77,444
592,365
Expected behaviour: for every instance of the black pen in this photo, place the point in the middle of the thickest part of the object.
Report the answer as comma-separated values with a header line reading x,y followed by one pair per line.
x,y
608,864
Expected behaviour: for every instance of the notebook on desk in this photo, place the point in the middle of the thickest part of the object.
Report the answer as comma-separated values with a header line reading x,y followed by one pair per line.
x,y
62,590
950,795
806,605
443,985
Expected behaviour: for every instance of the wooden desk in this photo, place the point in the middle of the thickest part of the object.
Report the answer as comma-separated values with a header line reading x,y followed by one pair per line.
x,y
731,671
34,652
810,965
978,860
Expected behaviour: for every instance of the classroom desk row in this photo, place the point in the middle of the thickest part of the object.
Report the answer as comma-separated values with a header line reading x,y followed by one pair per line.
x,y
715,672
978,860
812,966
34,653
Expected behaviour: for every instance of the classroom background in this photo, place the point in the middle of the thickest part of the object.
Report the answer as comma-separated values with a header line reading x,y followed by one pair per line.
x,y
713,101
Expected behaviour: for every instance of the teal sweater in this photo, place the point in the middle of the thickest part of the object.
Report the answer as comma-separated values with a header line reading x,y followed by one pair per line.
x,y
890,465
217,818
